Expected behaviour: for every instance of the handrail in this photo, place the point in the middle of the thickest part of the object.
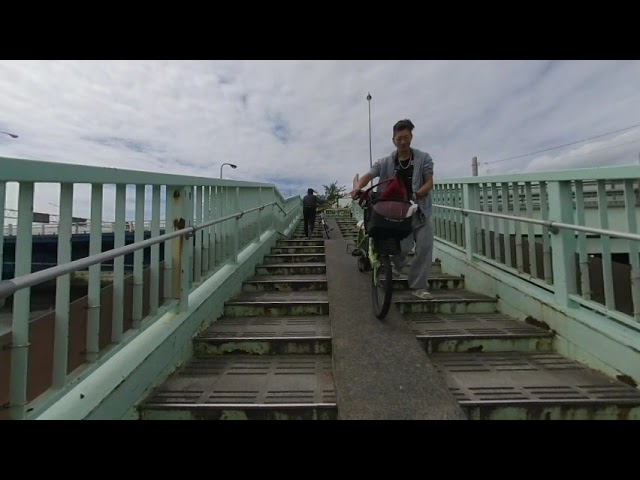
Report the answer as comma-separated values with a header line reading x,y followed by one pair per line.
x,y
552,225
9,287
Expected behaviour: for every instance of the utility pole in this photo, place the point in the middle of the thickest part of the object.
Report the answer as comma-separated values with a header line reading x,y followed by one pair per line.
x,y
474,166
369,97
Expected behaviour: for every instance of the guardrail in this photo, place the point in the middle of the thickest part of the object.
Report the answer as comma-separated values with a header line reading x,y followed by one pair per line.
x,y
210,220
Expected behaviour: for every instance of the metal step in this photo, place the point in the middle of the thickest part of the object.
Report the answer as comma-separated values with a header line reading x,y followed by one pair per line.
x,y
477,332
297,268
445,301
247,387
514,385
264,335
298,249
276,304
285,283
300,242
437,281
293,258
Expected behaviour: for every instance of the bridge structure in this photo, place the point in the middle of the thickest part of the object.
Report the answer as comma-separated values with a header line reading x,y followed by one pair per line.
x,y
535,315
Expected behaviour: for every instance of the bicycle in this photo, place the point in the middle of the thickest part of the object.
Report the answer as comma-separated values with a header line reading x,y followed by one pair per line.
x,y
378,238
325,226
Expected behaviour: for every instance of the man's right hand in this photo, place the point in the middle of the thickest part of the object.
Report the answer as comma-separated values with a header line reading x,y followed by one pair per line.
x,y
355,193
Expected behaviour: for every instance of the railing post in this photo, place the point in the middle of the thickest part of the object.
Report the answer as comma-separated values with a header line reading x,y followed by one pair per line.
x,y
197,257
21,305
169,244
563,243
236,226
93,290
470,220
182,218
259,214
63,289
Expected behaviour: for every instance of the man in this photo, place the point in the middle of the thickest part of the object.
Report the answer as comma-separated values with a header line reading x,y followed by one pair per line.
x,y
416,169
309,204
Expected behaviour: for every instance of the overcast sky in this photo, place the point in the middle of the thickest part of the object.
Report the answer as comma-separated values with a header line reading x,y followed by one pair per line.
x,y
301,124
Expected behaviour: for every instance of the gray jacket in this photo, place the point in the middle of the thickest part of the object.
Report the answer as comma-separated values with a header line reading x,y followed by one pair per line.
x,y
422,164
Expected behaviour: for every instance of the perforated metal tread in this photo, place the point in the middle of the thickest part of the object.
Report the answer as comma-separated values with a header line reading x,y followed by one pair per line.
x,y
251,381
264,328
471,325
482,379
443,295
294,257
316,296
298,265
311,277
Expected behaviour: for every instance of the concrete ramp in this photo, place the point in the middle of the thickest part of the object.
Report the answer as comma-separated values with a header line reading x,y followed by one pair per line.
x,y
381,372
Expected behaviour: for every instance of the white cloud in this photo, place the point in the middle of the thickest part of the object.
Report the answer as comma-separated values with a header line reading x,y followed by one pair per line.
x,y
304,124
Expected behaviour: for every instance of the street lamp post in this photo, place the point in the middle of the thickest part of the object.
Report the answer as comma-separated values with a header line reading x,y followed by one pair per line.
x,y
12,135
369,97
230,164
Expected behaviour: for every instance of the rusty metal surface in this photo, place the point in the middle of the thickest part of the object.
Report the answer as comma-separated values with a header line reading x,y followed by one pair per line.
x,y
528,378
311,277
292,265
250,380
471,325
261,328
265,298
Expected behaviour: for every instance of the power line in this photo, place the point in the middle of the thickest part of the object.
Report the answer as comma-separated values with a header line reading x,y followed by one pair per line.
x,y
564,145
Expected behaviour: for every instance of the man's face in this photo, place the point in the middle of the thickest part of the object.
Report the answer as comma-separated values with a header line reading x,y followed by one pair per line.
x,y
402,140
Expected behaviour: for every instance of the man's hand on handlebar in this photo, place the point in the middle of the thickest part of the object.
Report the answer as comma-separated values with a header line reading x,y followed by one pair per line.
x,y
355,193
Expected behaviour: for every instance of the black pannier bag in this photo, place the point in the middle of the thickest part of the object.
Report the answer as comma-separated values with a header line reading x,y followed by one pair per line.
x,y
386,219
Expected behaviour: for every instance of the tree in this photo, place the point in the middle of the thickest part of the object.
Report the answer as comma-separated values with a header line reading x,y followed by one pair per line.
x,y
333,193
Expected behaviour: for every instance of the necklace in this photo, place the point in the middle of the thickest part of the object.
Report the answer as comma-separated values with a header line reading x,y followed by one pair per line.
x,y
408,162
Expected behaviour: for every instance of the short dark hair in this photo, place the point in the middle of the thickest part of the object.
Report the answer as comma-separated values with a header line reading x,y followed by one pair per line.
x,y
405,124
310,191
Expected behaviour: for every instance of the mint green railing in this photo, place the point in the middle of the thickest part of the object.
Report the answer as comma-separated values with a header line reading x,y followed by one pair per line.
x,y
222,217
550,228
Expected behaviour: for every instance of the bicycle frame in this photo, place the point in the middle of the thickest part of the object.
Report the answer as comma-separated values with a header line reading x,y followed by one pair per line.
x,y
375,255
323,221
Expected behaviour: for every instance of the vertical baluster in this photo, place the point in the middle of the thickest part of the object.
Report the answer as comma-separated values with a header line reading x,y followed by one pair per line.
x,y
531,233
260,203
487,220
506,224
93,295
2,205
470,220
21,305
605,241
495,208
63,288
197,254
517,227
236,224
154,267
117,316
138,256
583,257
478,219
546,244
461,230
212,229
632,227
169,226
206,240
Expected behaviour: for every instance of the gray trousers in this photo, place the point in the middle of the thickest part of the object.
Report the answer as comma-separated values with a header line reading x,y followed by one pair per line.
x,y
421,266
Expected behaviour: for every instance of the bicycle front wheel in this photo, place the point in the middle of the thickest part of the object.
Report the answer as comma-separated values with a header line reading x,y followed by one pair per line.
x,y
382,286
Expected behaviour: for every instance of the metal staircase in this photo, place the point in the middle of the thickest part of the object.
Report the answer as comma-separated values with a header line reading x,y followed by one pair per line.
x,y
269,355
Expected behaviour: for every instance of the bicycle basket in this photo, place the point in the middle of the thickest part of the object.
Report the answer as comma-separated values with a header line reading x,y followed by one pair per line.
x,y
388,219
